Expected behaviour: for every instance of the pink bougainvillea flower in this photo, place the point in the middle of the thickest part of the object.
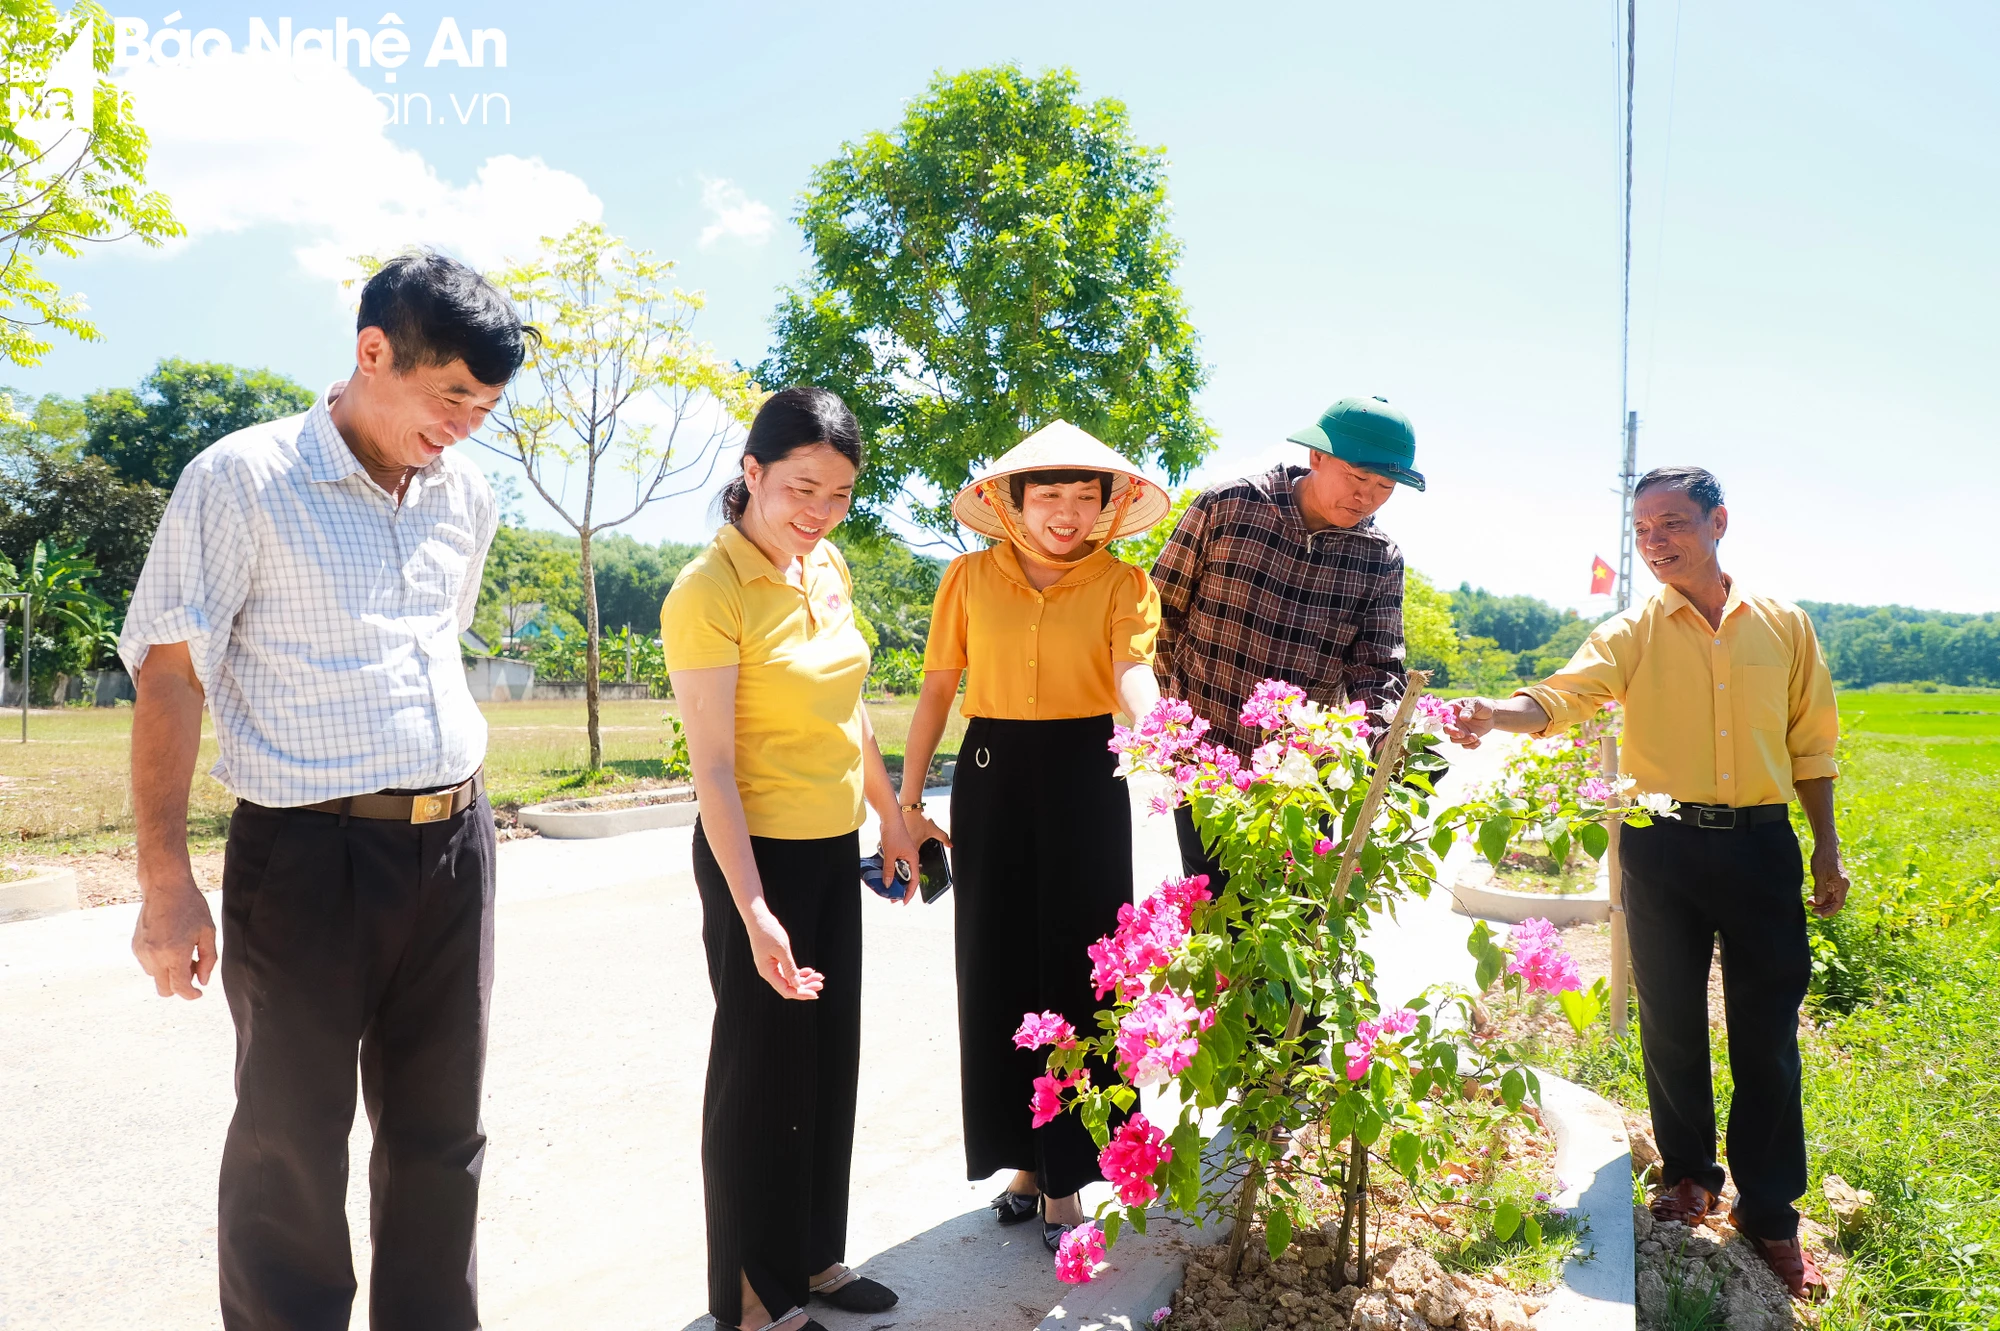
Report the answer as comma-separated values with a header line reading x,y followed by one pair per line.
x,y
1269,703
1164,804
1079,1253
1361,1049
1159,1037
1539,959
1130,1158
1161,1314
1433,713
1323,846
1146,939
1547,791
1040,1028
1046,1101
1184,894
1595,788
1265,757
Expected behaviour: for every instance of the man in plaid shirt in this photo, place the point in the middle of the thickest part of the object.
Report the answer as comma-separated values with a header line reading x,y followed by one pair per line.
x,y
1286,576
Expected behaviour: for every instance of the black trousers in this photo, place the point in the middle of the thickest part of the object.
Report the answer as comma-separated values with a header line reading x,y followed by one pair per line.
x,y
343,936
1683,887
777,1118
1041,835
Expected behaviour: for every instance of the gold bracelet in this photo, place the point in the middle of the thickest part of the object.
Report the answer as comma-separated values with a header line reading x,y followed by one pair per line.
x,y
918,807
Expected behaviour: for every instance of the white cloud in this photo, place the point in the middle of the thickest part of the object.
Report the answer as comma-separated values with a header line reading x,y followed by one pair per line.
x,y
239,141
737,215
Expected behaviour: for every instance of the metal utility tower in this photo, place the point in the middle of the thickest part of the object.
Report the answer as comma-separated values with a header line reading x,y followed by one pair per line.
x,y
1630,419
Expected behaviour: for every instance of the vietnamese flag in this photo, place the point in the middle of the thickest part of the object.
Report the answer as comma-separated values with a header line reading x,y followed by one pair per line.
x,y
1602,578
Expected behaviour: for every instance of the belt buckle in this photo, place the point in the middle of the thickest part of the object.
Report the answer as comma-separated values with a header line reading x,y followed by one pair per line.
x,y
430,808
1713,819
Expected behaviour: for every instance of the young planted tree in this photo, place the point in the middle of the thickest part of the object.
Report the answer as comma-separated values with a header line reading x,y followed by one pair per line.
x,y
72,166
618,401
1000,260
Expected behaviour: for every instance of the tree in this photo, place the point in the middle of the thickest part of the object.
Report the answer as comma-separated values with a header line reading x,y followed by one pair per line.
x,y
72,622
68,500
526,572
633,579
1430,638
616,384
52,423
894,588
1517,623
1000,261
72,166
181,408
1144,549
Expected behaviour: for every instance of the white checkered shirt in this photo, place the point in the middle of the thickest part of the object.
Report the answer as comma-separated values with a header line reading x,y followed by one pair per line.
x,y
322,619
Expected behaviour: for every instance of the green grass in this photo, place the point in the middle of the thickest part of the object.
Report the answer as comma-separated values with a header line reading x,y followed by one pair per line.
x,y
1902,1074
67,790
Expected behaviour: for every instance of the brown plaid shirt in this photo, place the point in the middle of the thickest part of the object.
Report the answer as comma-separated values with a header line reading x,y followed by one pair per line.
x,y
1248,594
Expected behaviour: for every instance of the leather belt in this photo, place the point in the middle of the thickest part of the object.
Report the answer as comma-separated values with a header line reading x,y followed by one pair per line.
x,y
427,807
1723,818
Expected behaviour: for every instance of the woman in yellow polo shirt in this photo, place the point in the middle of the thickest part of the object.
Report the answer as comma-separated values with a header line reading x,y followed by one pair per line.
x,y
1055,634
768,665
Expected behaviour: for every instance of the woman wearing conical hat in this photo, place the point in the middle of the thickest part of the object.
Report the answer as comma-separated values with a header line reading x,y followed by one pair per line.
x,y
1054,634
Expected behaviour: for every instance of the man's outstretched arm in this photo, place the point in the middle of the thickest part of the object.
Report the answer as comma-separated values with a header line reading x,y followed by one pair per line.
x,y
175,936
1472,718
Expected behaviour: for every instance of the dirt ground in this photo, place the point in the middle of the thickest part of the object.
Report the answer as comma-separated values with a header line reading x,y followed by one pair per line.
x,y
104,878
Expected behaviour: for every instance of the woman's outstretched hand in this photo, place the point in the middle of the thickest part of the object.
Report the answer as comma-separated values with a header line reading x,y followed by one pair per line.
x,y
772,947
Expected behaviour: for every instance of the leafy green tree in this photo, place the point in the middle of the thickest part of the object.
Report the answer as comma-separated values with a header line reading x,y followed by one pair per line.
x,y
66,500
1895,644
1000,260
633,579
1430,638
616,389
72,167
178,410
49,424
526,572
1554,654
72,623
894,587
1517,623
1144,549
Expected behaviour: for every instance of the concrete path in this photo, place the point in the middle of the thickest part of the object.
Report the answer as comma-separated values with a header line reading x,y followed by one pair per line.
x,y
115,1103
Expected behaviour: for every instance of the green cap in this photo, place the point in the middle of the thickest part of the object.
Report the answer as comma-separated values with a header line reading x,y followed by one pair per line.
x,y
1368,433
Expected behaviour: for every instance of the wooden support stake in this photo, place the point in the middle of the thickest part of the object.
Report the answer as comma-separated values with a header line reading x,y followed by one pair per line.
x,y
1621,960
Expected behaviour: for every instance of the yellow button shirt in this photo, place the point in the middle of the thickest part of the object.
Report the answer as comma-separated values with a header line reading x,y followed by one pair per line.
x,y
1040,655
800,666
1731,715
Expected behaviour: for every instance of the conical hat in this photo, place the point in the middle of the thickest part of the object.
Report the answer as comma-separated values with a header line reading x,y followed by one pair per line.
x,y
1133,505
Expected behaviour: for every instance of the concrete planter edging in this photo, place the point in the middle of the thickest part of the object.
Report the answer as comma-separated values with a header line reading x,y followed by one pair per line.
x,y
46,891
1593,1161
612,815
1473,893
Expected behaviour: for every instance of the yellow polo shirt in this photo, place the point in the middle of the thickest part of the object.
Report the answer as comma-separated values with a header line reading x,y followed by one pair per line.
x,y
1040,655
800,666
1731,715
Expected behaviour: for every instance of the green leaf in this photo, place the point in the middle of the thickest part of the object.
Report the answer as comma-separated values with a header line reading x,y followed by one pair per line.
x,y
1442,840
1506,1219
1111,1224
1277,1230
1494,834
1137,1216
1513,1087
1595,839
1406,1153
1533,1229
1559,847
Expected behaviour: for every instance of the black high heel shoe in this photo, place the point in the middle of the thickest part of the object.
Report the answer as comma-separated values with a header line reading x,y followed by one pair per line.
x,y
1051,1232
1014,1207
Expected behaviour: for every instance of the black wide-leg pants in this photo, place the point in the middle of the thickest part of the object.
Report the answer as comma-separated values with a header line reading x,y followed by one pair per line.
x,y
777,1118
1684,886
342,937
1041,835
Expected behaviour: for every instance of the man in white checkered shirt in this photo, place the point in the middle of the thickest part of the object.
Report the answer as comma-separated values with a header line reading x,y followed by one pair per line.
x,y
309,582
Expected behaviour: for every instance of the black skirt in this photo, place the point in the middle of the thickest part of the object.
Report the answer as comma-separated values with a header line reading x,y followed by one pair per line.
x,y
1042,859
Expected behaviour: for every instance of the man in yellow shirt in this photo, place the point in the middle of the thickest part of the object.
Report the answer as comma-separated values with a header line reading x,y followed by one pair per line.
x,y
1729,709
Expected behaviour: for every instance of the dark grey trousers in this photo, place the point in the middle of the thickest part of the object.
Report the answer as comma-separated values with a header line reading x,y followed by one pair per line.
x,y
1684,887
362,941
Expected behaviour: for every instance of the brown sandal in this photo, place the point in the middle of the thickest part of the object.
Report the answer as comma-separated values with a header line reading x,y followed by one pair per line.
x,y
1685,1203
1790,1262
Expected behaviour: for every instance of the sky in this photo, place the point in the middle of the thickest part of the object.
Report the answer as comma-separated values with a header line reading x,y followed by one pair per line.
x,y
1419,202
